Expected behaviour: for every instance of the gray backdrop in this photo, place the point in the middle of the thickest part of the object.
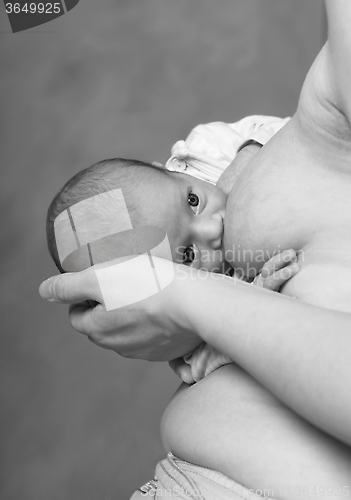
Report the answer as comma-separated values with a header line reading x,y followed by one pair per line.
x,y
111,78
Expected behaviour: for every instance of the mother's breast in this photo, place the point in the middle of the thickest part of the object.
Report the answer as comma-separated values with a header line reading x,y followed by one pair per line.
x,y
322,283
274,203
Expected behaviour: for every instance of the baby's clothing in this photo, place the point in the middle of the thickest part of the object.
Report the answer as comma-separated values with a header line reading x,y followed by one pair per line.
x,y
204,360
176,478
210,148
205,154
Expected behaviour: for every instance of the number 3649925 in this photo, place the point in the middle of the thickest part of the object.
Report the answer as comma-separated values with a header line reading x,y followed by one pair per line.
x,y
34,8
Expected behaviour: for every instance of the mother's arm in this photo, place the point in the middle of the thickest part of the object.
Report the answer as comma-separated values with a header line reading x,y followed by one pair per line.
x,y
339,55
301,353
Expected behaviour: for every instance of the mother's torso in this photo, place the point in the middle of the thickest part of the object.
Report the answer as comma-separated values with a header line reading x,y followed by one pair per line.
x,y
286,198
230,423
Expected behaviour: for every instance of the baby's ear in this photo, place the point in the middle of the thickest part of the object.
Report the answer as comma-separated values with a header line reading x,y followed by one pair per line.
x,y
157,164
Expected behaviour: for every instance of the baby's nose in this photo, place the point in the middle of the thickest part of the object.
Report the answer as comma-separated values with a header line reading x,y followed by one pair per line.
x,y
209,231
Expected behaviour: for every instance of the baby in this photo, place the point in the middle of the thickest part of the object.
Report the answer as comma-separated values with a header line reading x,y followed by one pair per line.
x,y
189,208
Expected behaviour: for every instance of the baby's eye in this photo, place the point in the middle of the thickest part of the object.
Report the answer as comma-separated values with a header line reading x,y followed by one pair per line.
x,y
189,255
194,202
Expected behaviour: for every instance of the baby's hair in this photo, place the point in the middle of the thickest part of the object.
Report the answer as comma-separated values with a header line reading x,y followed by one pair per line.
x,y
130,175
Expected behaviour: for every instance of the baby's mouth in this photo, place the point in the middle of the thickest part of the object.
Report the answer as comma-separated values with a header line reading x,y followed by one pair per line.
x,y
219,244
222,232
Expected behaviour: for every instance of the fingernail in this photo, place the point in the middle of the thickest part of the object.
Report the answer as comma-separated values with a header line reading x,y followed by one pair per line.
x,y
45,289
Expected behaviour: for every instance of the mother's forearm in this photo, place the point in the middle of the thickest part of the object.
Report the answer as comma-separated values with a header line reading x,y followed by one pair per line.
x,y
301,353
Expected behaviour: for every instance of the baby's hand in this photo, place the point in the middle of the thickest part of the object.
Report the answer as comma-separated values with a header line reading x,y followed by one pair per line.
x,y
182,369
277,271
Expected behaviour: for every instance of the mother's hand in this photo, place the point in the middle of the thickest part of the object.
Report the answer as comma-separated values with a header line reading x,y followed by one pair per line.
x,y
156,328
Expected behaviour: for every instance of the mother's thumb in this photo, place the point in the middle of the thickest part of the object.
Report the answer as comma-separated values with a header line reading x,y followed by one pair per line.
x,y
52,289
70,288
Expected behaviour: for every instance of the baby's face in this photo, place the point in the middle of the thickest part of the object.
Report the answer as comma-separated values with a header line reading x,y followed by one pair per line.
x,y
192,213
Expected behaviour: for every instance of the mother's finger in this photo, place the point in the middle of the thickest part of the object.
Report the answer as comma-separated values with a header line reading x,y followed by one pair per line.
x,y
69,288
91,321
81,317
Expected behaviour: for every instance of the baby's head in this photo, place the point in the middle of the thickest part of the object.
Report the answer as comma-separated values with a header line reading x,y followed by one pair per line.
x,y
190,210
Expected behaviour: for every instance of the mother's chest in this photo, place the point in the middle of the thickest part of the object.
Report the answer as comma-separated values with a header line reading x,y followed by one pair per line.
x,y
266,211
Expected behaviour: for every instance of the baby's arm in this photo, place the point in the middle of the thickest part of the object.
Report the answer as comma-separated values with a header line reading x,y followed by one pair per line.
x,y
205,359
